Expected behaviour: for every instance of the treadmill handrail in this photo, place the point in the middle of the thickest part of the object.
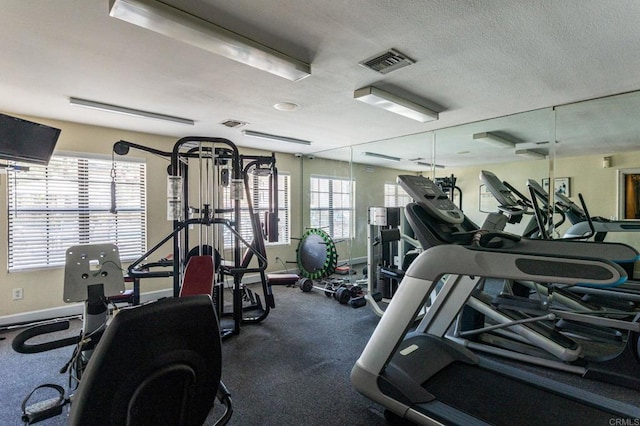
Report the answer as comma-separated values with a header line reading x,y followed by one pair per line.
x,y
435,262
426,270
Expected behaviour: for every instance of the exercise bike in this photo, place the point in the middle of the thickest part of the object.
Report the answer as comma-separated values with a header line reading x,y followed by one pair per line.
x,y
154,363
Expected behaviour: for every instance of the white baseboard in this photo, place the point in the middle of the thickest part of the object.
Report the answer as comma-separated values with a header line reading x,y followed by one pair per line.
x,y
68,310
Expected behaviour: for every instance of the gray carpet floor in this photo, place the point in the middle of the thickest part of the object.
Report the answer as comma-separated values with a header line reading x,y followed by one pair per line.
x,y
291,369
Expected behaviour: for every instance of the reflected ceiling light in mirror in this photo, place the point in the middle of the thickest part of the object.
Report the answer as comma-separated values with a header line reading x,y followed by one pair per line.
x,y
527,153
390,102
493,140
437,166
171,22
128,111
276,138
381,156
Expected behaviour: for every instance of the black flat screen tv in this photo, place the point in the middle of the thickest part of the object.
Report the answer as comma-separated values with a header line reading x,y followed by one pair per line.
x,y
26,141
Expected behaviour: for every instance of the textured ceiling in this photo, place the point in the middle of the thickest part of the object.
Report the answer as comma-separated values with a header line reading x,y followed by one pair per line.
x,y
475,60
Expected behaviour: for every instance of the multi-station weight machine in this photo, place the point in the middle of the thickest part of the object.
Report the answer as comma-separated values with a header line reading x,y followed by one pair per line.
x,y
391,246
390,249
222,175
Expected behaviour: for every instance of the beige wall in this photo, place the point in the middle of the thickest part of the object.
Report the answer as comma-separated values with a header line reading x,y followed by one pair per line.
x,y
43,288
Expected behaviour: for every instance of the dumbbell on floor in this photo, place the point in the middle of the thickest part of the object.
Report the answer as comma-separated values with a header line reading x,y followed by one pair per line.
x,y
342,294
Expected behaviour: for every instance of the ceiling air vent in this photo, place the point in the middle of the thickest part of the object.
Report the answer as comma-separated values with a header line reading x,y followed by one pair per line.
x,y
233,123
388,61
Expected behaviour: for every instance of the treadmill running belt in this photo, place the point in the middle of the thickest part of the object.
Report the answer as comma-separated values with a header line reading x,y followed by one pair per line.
x,y
502,400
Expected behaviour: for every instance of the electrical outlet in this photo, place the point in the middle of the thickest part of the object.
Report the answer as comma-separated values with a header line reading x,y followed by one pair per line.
x,y
17,294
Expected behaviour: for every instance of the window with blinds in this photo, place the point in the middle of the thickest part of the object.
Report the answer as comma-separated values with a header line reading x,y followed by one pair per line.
x,y
331,206
395,196
259,187
67,203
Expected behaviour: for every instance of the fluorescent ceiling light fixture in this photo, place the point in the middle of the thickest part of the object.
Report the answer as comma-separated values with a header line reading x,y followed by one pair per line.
x,y
171,22
390,102
494,140
276,138
527,153
437,166
128,111
381,156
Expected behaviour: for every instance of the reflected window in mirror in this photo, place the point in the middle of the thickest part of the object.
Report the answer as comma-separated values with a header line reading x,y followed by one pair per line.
x,y
332,205
259,193
395,196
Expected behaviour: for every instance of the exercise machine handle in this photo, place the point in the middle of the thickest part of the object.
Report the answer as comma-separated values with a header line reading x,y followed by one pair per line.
x,y
592,230
20,344
494,239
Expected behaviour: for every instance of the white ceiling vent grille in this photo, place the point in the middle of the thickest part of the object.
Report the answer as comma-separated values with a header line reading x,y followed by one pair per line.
x,y
233,123
388,61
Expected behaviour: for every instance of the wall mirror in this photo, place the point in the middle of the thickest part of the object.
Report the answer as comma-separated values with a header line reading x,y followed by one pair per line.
x,y
513,147
597,153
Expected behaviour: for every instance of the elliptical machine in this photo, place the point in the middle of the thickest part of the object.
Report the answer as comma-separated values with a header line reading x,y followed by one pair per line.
x,y
123,365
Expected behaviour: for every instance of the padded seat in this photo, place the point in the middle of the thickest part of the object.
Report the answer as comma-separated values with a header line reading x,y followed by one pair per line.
x,y
158,363
282,279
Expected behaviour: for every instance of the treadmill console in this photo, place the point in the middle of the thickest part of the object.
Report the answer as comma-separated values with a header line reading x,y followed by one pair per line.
x,y
540,192
499,191
431,198
567,203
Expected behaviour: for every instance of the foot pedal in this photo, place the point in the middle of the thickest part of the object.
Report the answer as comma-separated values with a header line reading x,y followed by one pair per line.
x,y
522,304
43,410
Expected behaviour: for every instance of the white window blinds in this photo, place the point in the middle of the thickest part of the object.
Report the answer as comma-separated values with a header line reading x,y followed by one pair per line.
x,y
67,203
331,205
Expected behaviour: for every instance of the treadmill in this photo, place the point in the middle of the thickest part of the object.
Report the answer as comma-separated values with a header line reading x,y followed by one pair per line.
x,y
579,218
526,329
422,376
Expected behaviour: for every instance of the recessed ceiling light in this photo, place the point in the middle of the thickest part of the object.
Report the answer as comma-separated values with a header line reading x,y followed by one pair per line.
x,y
286,106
